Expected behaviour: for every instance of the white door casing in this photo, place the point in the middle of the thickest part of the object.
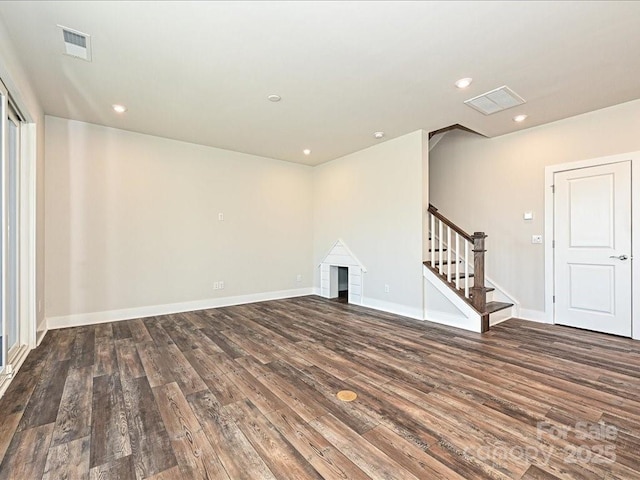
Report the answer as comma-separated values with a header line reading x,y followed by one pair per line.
x,y
592,255
19,213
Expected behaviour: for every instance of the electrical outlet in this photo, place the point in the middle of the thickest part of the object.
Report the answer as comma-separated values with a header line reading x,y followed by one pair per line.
x,y
216,285
536,238
299,278
386,289
220,217
221,283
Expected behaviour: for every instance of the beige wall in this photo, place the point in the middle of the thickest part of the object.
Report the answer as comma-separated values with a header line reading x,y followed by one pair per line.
x,y
132,221
372,199
125,228
487,184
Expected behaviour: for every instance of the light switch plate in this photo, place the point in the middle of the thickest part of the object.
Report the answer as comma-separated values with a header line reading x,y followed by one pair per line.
x,y
536,238
528,215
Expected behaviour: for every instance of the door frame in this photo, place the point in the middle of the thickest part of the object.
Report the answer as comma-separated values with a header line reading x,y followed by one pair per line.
x,y
549,266
27,294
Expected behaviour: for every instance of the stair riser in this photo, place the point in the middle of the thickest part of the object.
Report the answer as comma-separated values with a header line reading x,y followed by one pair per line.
x,y
500,316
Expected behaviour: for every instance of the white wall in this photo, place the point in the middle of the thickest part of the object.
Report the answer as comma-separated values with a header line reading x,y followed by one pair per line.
x,y
487,184
132,223
372,199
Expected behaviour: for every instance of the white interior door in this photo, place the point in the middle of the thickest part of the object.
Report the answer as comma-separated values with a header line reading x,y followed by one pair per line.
x,y
592,263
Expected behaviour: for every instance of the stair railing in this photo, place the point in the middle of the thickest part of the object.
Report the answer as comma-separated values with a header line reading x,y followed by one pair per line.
x,y
446,235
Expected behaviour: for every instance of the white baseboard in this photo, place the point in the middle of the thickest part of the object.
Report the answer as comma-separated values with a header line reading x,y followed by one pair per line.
x,y
92,318
534,315
389,307
471,324
394,308
40,336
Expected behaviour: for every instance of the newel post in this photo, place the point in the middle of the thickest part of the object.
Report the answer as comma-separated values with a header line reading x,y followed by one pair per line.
x,y
479,298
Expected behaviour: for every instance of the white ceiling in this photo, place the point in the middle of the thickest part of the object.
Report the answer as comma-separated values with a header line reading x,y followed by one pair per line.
x,y
201,71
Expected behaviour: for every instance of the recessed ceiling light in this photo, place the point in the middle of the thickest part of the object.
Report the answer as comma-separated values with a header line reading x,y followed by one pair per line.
x,y
119,108
464,82
520,118
306,151
274,98
378,135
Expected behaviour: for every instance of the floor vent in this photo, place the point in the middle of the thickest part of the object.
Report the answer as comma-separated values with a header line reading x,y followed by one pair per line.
x,y
495,101
346,395
76,44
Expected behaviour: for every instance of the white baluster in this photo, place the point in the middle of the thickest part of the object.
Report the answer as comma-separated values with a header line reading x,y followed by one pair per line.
x,y
466,269
457,261
448,253
440,253
432,242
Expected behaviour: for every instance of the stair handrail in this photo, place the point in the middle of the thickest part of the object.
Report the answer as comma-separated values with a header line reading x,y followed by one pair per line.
x,y
434,211
477,294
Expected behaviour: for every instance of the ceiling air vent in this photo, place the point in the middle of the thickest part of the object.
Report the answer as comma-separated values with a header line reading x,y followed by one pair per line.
x,y
76,44
495,100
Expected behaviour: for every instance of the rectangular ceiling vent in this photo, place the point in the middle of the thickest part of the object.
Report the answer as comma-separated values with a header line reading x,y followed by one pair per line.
x,y
76,44
495,100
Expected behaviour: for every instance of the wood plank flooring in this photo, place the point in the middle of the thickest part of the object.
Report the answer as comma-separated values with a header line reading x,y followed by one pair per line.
x,y
248,392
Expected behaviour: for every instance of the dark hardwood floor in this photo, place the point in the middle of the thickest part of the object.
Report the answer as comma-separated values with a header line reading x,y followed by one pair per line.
x,y
248,392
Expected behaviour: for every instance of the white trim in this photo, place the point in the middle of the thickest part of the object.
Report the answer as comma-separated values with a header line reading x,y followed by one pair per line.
x,y
153,310
27,263
465,309
341,242
395,308
26,234
383,306
533,315
496,319
40,336
635,246
549,173
4,103
449,320
329,273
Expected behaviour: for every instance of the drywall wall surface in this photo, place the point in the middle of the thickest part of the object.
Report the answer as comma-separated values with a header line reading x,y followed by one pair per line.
x,y
373,199
488,184
136,221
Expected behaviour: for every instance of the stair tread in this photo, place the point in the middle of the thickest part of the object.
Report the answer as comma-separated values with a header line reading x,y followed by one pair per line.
x,y
493,307
453,274
487,289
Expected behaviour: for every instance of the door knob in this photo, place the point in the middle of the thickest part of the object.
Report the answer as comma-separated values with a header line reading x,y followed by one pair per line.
x,y
619,257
